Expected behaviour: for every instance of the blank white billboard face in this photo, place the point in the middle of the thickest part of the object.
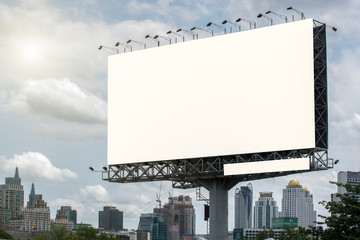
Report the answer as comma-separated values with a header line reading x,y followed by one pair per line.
x,y
245,92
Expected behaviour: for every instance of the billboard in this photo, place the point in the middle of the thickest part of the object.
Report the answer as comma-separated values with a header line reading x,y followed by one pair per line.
x,y
238,93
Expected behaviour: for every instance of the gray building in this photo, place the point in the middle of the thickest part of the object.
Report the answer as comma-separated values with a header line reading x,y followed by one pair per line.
x,y
11,200
152,226
348,177
68,213
111,218
243,206
179,216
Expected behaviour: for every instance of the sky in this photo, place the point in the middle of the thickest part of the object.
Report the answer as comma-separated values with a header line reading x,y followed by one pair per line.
x,y
53,95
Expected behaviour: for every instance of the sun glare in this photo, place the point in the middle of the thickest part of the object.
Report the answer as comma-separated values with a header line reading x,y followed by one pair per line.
x,y
31,53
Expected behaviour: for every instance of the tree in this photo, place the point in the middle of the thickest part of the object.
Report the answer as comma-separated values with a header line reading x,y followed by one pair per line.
x,y
296,234
265,234
82,233
344,221
5,235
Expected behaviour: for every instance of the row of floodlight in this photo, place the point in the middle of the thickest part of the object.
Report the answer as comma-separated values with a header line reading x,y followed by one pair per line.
x,y
195,35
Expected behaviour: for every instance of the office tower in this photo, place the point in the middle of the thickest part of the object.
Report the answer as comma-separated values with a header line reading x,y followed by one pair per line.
x,y
152,226
11,199
179,216
352,178
36,215
66,211
243,206
111,218
265,209
298,203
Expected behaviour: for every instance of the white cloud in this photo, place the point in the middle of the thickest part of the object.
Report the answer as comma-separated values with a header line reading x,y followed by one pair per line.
x,y
34,165
60,99
95,192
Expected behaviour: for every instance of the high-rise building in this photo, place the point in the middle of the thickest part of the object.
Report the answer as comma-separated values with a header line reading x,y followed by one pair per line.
x,y
152,226
348,177
111,218
298,203
243,206
33,198
67,212
265,210
36,215
179,216
11,199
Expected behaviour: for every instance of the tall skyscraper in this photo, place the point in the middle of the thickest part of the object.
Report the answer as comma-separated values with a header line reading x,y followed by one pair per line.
x,y
111,218
264,210
152,226
352,178
11,199
298,203
66,211
179,216
243,206
36,215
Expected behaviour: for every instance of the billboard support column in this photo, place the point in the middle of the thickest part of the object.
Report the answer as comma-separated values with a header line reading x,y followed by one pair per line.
x,y
218,192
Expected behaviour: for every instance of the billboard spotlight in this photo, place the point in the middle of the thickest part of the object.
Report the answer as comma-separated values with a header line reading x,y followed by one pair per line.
x,y
166,38
189,32
279,15
154,39
177,34
124,45
268,18
301,13
232,23
203,29
139,43
221,27
252,23
110,48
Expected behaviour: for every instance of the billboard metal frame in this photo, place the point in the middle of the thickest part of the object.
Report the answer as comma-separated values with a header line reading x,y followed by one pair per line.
x,y
190,173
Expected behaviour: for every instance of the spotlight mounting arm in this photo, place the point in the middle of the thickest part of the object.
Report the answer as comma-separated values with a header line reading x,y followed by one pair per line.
x,y
216,25
124,45
189,32
279,15
232,23
301,13
177,34
137,42
154,39
252,23
268,18
165,38
110,48
203,29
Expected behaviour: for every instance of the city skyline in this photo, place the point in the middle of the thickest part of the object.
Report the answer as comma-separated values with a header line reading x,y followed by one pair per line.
x,y
105,217
53,91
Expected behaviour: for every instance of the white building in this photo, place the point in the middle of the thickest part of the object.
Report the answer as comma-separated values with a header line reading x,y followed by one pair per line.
x,y
264,210
243,206
36,219
298,203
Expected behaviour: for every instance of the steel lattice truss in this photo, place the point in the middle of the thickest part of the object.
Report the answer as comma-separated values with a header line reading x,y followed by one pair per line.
x,y
188,173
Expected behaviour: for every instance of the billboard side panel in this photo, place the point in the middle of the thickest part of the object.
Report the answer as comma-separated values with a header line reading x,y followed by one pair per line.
x,y
238,93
